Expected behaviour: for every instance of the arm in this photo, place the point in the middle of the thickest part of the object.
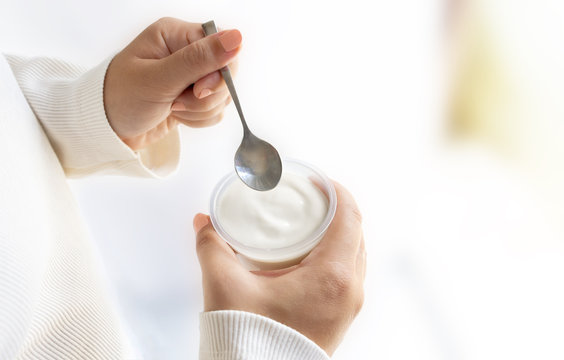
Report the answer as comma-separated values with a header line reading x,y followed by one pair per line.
x,y
316,300
122,116
224,334
68,101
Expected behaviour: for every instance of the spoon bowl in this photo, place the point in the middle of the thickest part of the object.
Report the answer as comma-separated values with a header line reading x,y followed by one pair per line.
x,y
257,163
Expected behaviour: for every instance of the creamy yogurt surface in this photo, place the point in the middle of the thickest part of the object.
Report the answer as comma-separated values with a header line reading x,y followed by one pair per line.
x,y
286,215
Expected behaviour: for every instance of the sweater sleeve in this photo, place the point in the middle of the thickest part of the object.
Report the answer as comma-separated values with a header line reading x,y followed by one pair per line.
x,y
68,101
230,334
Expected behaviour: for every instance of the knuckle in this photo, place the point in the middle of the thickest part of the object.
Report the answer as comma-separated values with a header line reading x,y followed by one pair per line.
x,y
164,21
207,104
212,121
204,239
356,214
217,119
199,105
337,281
197,54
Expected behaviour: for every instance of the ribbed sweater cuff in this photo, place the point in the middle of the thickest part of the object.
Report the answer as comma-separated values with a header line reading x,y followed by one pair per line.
x,y
157,160
238,335
69,103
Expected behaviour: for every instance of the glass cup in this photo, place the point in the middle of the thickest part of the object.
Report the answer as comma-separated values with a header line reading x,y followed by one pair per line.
x,y
256,258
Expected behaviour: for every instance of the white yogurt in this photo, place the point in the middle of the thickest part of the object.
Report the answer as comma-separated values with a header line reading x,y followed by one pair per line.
x,y
286,215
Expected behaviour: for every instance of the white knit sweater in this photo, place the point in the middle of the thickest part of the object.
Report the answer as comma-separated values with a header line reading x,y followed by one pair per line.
x,y
52,304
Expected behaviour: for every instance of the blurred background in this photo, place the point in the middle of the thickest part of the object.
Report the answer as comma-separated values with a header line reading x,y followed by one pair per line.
x,y
444,119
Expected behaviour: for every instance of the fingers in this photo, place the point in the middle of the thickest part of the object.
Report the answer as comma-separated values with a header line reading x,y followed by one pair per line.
x,y
214,254
199,222
177,34
200,119
344,236
191,103
165,36
205,115
196,119
196,60
208,85
213,83
199,123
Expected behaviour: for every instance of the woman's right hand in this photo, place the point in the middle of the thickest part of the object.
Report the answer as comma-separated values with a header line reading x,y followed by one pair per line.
x,y
318,297
168,76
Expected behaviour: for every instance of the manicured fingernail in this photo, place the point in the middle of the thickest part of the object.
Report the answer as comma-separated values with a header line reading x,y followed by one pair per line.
x,y
204,93
230,40
177,106
200,220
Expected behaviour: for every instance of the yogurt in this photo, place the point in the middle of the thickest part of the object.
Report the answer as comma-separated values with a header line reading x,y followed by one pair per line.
x,y
286,215
277,228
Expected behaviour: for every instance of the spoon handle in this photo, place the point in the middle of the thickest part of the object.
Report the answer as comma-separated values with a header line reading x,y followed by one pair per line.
x,y
209,28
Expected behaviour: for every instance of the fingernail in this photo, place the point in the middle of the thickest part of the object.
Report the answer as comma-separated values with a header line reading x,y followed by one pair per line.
x,y
177,106
200,220
230,40
204,93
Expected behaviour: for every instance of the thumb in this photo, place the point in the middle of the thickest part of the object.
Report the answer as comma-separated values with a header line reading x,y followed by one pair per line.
x,y
184,67
214,254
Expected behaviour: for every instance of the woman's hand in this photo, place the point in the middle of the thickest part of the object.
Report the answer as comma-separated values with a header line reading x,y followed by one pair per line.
x,y
168,75
318,297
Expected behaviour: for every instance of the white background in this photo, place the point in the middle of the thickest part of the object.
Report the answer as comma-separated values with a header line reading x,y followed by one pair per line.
x,y
465,258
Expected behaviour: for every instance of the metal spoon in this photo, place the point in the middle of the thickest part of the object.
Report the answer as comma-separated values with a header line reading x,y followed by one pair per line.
x,y
257,162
